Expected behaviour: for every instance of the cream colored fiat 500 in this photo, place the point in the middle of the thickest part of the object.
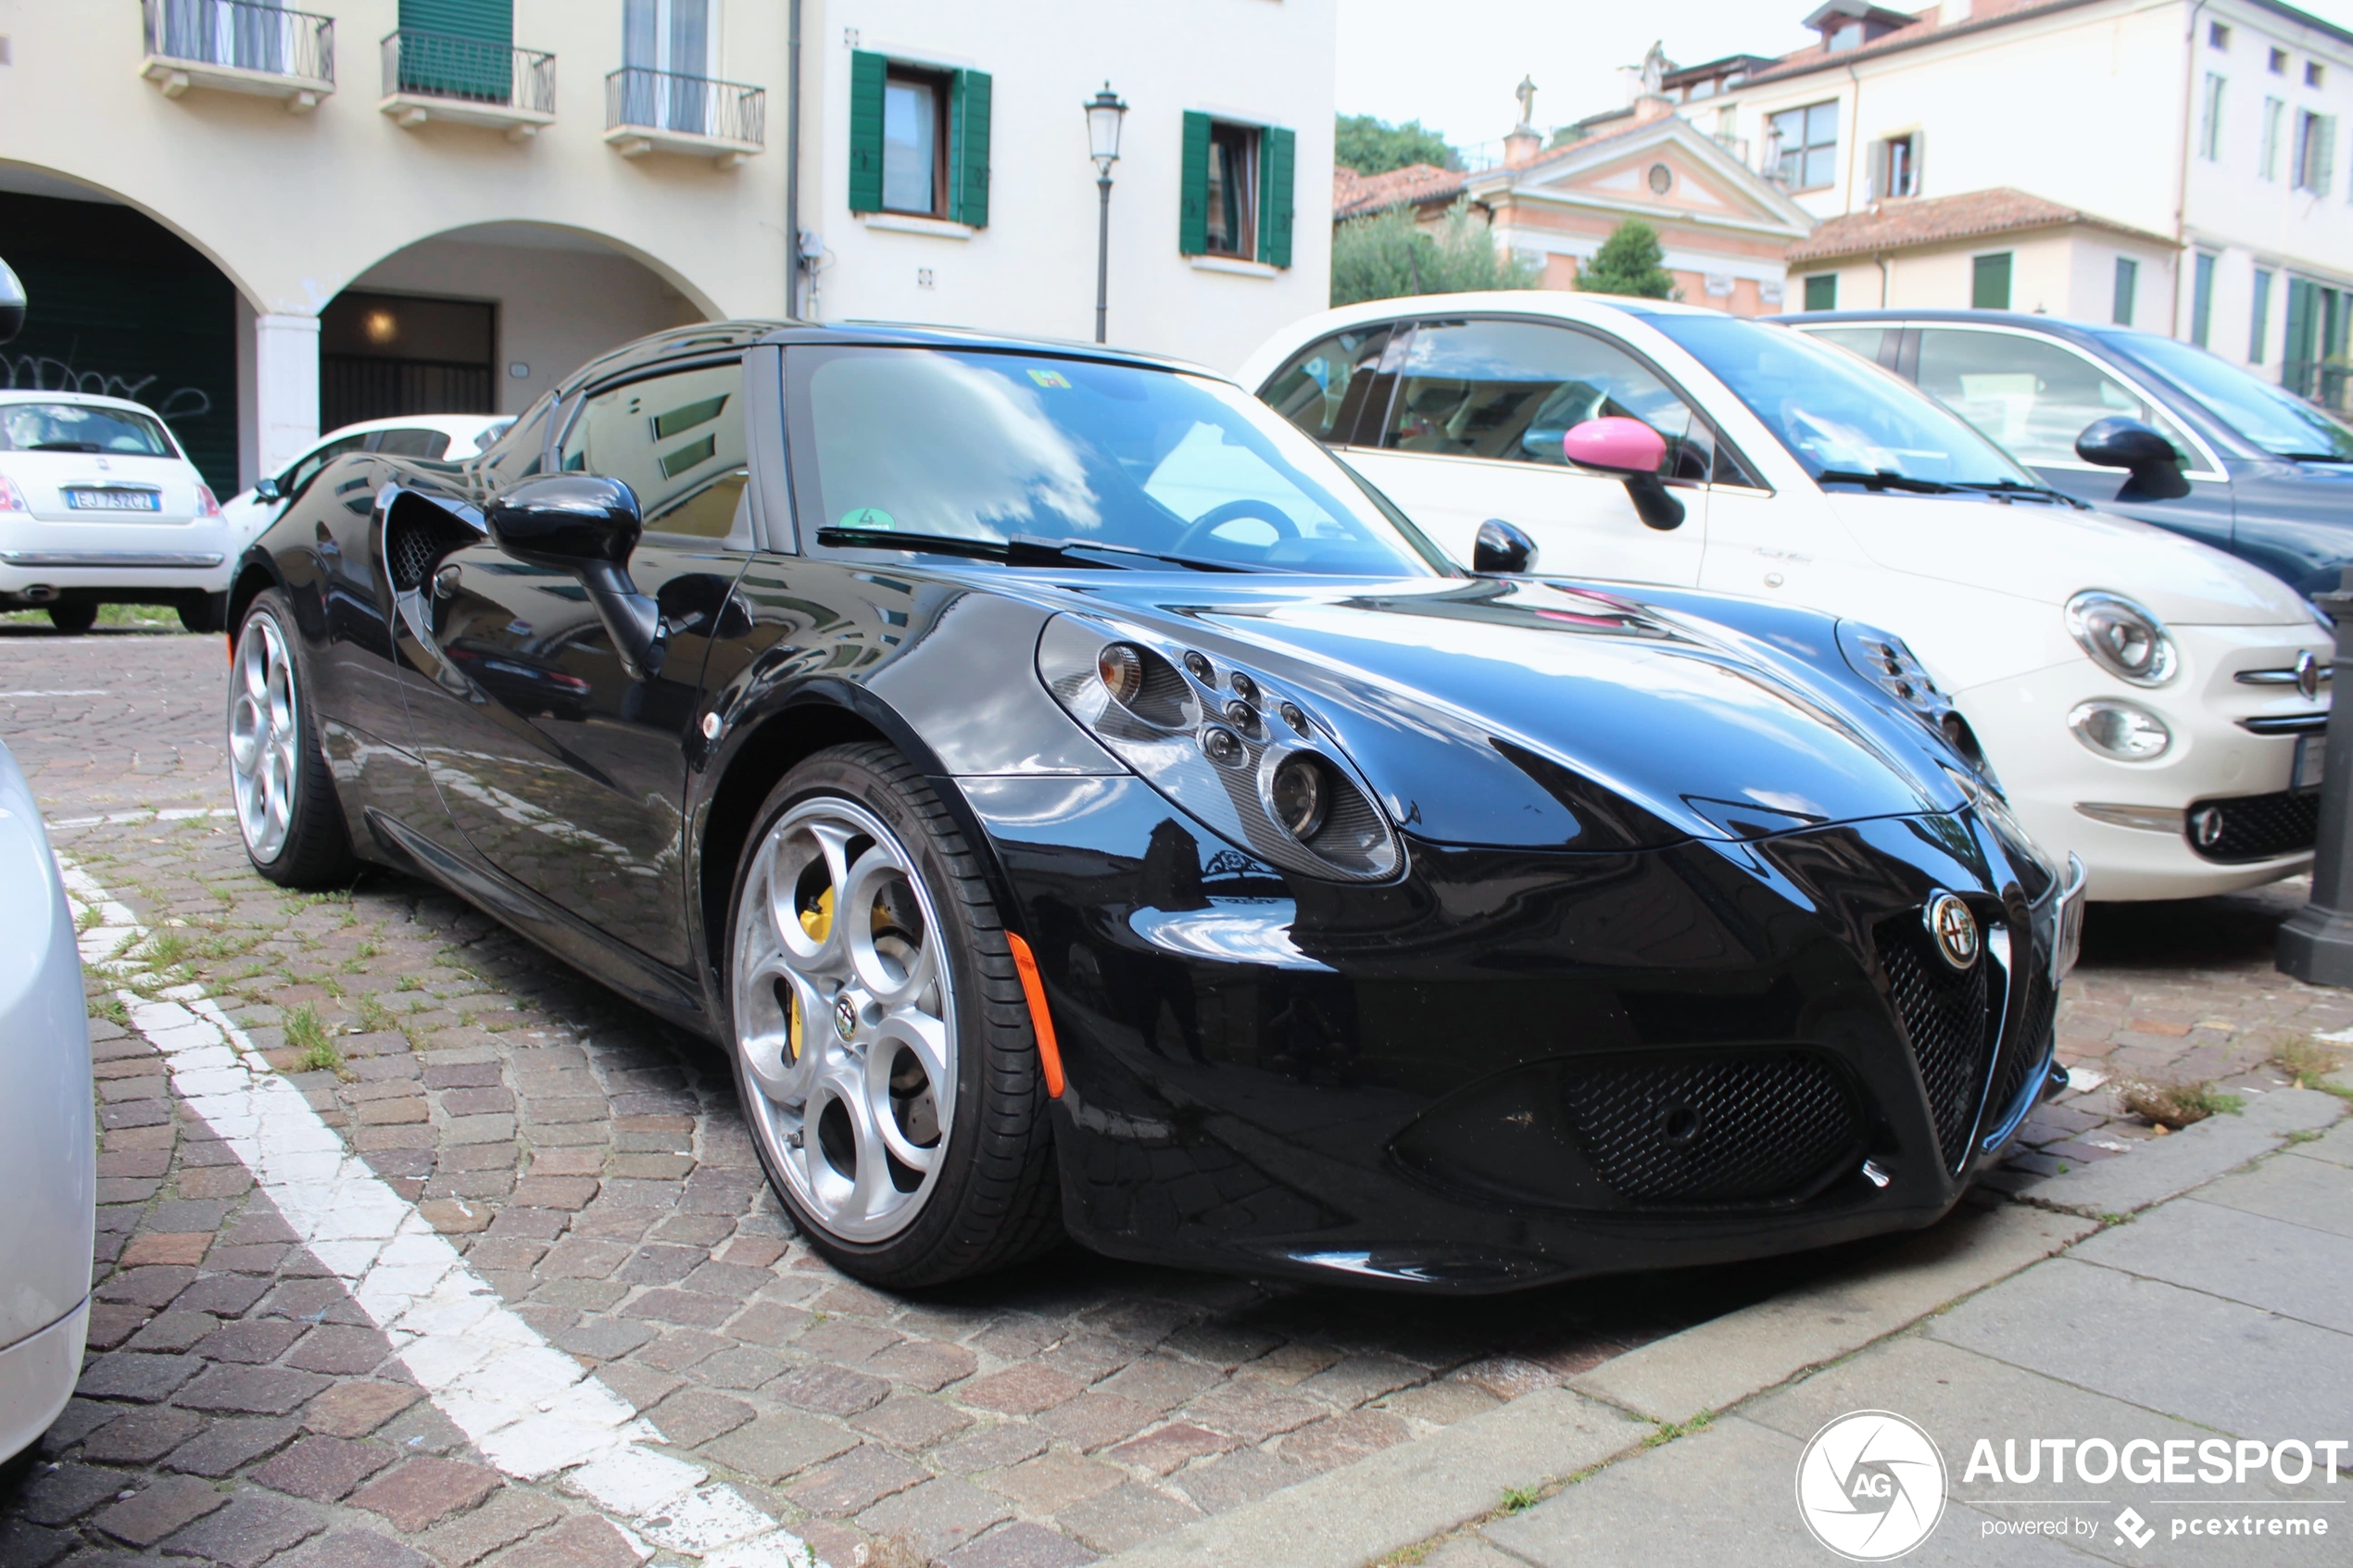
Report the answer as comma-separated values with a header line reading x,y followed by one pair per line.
x,y
2150,704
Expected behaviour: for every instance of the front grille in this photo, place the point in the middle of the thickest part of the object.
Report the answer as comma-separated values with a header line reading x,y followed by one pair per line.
x,y
1732,1128
2255,827
2026,1048
1944,1013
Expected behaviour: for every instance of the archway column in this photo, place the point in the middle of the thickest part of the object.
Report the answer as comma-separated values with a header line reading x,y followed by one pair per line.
x,y
285,364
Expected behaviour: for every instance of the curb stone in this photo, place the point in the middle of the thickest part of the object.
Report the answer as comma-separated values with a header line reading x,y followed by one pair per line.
x,y
2166,1168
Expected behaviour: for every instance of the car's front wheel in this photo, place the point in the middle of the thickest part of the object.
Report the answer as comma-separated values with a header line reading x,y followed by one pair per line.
x,y
882,1049
285,797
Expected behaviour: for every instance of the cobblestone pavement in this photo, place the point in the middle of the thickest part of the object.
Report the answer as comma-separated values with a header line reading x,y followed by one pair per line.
x,y
241,1406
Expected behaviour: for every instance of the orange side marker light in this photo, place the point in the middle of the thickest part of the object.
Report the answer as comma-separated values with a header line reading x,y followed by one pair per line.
x,y
1049,1054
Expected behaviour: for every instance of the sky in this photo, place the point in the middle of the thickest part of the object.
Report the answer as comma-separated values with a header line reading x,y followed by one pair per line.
x,y
1452,65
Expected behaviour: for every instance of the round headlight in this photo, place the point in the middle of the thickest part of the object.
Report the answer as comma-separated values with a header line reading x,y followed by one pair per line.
x,y
2120,730
1301,797
1121,669
2122,638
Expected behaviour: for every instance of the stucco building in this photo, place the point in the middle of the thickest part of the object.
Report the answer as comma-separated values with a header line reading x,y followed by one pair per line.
x,y
258,218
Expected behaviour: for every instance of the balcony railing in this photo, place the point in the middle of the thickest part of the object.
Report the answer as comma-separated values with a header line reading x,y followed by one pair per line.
x,y
434,76
663,111
241,47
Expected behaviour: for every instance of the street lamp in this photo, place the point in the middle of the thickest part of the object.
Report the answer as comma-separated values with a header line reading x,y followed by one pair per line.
x,y
1104,112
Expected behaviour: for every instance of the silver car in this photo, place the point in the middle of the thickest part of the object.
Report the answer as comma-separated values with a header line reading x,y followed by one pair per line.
x,y
48,1158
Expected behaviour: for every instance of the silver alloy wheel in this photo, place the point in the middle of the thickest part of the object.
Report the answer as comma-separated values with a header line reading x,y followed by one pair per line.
x,y
264,758
845,1017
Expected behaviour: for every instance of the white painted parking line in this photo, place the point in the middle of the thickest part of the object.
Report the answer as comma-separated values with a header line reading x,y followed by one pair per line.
x,y
530,1408
144,814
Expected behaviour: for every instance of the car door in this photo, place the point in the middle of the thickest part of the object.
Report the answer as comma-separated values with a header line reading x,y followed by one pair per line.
x,y
559,766
2035,394
1471,429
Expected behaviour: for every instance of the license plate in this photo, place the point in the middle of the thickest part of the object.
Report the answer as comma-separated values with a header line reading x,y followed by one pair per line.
x,y
114,501
2312,755
2067,942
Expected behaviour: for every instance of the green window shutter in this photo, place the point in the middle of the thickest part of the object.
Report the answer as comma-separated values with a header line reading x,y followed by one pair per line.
x,y
968,148
1192,213
1990,283
866,73
1821,292
1277,155
492,22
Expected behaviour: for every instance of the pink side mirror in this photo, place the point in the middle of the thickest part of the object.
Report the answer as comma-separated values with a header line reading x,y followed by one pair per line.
x,y
1614,444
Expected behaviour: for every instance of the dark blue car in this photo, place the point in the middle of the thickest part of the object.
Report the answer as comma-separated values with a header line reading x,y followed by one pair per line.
x,y
2252,468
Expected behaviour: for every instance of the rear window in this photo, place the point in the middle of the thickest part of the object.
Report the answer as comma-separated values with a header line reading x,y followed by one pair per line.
x,y
75,427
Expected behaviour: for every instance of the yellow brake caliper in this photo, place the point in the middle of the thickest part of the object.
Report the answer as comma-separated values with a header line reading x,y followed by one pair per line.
x,y
816,922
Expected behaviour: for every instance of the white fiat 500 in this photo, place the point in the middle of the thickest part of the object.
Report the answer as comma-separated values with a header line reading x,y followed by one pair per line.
x,y
2150,704
98,505
454,436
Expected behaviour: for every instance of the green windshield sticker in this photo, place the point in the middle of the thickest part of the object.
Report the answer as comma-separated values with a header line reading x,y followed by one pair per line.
x,y
869,517
1049,378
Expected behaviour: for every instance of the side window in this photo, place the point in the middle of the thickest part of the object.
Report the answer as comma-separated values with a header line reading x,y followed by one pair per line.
x,y
1871,342
307,467
676,440
428,444
2030,395
1322,390
1510,390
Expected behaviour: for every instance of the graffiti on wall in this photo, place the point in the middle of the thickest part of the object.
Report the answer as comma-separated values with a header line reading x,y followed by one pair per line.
x,y
39,373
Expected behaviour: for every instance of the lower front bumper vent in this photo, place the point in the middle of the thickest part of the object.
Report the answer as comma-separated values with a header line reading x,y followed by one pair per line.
x,y
2255,827
1946,1014
1739,1127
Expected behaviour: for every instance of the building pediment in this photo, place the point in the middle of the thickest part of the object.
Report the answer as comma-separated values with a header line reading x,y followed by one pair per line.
x,y
1666,168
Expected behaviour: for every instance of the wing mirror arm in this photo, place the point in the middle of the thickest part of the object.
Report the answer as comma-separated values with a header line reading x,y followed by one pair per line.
x,y
1634,453
588,526
2154,468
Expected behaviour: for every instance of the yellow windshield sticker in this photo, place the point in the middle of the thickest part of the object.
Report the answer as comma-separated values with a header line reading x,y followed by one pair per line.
x,y
1049,378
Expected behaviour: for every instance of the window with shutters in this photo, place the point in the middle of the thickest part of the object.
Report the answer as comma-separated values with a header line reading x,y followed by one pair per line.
x,y
2274,130
918,139
2210,118
1989,281
1237,191
1896,166
2128,283
1821,292
2260,327
2315,151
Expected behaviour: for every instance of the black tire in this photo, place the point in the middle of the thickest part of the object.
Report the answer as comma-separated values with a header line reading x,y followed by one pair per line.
x,y
316,850
209,613
996,1201
73,618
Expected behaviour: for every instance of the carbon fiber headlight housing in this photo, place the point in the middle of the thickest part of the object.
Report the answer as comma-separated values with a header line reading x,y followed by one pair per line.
x,y
1883,659
1230,747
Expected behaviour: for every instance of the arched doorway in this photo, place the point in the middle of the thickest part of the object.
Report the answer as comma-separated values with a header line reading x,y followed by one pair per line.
x,y
482,320
121,307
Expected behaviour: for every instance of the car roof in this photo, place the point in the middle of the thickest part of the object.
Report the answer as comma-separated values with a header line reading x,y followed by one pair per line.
x,y
723,336
33,394
2056,326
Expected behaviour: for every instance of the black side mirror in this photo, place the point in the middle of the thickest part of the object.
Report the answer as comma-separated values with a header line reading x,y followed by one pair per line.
x,y
2127,443
1502,550
266,490
12,303
588,526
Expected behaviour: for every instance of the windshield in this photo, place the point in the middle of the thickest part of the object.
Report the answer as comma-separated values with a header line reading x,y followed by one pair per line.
x,y
1837,415
75,427
993,446
2270,417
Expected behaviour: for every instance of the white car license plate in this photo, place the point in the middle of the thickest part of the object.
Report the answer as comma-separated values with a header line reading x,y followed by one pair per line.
x,y
2311,755
114,501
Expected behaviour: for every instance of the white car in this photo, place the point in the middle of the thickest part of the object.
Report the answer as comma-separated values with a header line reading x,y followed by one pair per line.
x,y
412,435
48,1163
2149,704
99,505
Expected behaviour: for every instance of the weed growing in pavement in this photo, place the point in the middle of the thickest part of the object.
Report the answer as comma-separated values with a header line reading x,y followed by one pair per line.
x,y
2307,1062
2174,1105
410,982
88,918
1518,1499
330,984
376,1017
2306,1136
2110,1217
306,1034
165,949
109,1006
366,950
1668,1430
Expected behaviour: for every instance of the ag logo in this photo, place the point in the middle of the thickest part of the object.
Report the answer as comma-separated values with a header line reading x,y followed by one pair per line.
x,y
1870,1485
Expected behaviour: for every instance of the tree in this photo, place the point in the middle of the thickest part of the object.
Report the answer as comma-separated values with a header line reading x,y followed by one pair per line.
x,y
1628,263
1388,256
1374,146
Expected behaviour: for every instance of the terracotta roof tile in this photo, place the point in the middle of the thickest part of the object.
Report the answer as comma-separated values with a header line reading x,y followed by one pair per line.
x,y
1354,195
1898,225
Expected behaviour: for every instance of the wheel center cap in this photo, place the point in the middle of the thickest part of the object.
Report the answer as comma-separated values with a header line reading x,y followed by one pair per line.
x,y
845,1016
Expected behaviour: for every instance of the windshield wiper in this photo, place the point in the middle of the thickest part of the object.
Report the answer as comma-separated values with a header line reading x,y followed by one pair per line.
x,y
2315,456
2006,488
65,446
1020,550
1881,480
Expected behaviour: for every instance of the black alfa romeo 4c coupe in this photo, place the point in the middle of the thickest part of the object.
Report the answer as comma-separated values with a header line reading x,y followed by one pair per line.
x,y
1081,807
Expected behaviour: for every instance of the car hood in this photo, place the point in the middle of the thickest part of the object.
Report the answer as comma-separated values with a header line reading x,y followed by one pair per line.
x,y
2049,554
1524,713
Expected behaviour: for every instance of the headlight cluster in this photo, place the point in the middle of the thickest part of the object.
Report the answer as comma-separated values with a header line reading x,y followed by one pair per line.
x,y
1884,658
2122,638
1246,759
